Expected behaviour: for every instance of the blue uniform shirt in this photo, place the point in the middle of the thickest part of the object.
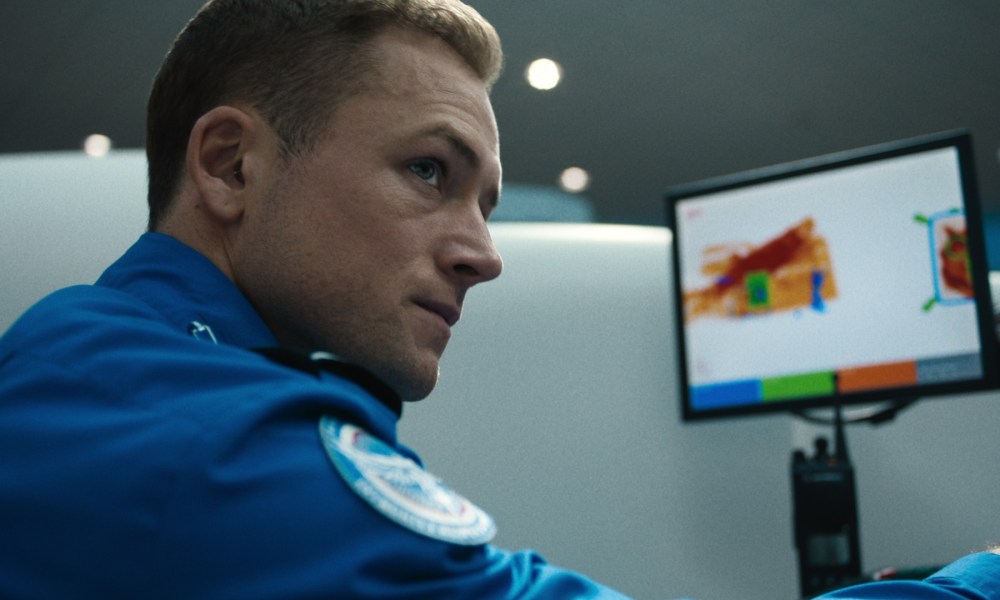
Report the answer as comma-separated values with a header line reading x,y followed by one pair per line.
x,y
147,452
974,577
142,460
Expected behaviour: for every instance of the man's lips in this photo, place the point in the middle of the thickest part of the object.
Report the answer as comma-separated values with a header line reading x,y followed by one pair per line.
x,y
446,311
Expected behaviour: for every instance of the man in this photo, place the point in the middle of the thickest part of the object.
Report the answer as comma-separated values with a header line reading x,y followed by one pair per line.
x,y
216,416
320,177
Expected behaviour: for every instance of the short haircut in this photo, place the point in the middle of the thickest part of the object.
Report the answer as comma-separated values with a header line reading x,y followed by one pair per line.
x,y
293,61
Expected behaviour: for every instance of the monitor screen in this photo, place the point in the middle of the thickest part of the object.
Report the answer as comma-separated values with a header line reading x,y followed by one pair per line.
x,y
854,277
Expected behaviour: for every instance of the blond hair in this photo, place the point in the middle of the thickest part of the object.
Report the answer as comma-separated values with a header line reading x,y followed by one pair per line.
x,y
293,61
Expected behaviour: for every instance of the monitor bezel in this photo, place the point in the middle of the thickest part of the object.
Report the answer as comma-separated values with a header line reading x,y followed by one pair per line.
x,y
961,140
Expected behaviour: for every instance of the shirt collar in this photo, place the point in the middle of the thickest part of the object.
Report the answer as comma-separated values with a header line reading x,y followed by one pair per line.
x,y
188,290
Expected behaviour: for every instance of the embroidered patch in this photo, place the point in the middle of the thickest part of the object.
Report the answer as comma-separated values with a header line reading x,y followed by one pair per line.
x,y
400,489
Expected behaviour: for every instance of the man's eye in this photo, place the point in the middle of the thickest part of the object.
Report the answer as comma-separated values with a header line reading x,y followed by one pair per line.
x,y
428,170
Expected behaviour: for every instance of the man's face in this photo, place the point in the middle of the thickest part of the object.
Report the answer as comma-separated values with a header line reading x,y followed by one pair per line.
x,y
366,246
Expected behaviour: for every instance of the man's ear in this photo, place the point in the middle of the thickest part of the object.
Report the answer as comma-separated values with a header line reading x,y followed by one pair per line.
x,y
217,145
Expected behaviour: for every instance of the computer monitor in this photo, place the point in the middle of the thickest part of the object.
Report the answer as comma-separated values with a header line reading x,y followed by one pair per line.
x,y
857,277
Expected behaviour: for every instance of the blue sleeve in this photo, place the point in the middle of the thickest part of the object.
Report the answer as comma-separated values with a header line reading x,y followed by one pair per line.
x,y
975,577
155,467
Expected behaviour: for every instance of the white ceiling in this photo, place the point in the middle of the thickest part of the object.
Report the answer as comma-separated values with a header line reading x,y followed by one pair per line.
x,y
656,92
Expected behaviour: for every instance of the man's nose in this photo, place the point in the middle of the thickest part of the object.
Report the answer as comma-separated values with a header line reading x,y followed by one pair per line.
x,y
472,256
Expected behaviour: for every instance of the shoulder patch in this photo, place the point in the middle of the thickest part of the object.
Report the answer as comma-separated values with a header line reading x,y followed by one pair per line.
x,y
400,489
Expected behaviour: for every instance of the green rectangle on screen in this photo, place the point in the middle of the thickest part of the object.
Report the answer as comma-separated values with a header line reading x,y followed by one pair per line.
x,y
758,288
797,386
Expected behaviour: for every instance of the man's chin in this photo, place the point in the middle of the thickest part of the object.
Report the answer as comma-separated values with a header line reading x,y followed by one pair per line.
x,y
418,392
412,386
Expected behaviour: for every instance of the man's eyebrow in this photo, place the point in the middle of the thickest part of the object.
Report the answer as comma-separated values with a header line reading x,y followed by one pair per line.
x,y
466,152
458,144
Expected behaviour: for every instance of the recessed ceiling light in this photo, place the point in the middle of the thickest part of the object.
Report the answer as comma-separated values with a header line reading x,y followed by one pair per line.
x,y
544,74
574,180
97,145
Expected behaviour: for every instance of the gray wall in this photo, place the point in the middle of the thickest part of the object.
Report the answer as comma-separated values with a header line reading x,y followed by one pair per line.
x,y
556,410
64,218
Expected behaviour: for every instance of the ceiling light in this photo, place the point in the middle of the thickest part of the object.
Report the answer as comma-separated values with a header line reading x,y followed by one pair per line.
x,y
574,180
544,74
97,145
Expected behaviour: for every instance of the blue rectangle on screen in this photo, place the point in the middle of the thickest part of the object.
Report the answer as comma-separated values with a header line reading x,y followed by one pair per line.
x,y
722,395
